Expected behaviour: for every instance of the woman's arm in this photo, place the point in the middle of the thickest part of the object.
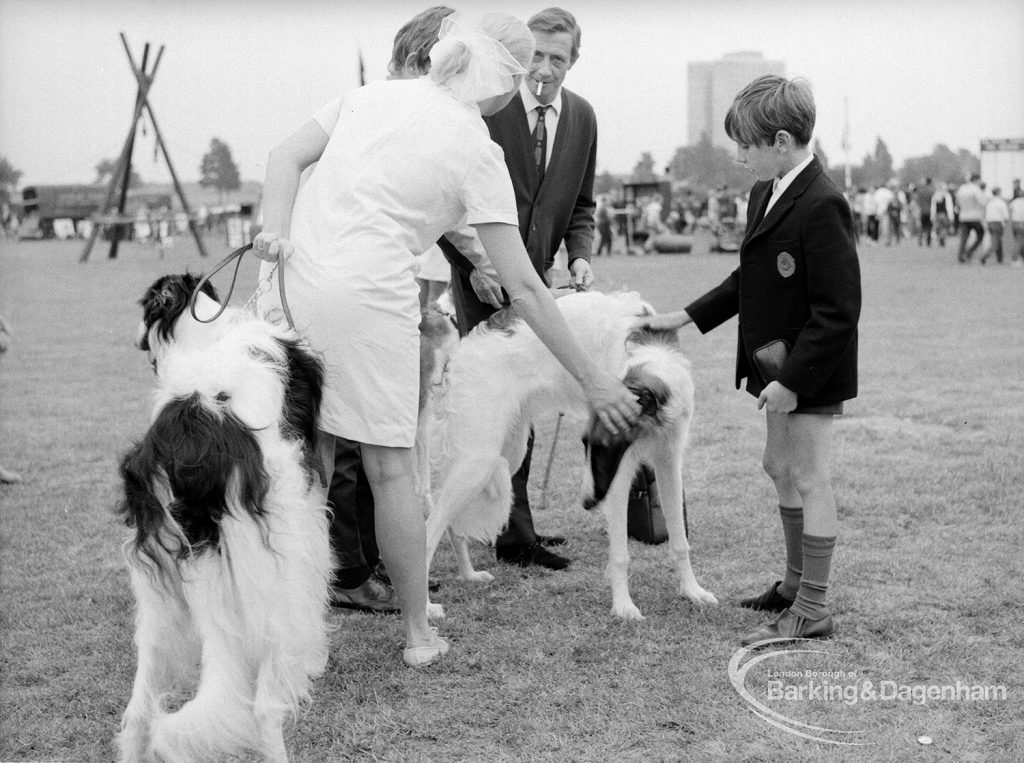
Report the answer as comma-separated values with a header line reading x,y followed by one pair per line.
x,y
614,405
284,169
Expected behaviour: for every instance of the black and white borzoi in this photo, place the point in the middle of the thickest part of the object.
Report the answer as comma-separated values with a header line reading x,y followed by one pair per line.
x,y
230,563
502,378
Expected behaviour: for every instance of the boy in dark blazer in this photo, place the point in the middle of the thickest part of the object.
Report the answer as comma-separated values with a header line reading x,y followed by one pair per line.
x,y
553,177
797,294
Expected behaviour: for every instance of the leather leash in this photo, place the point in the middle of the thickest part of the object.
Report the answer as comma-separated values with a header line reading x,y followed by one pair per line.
x,y
237,255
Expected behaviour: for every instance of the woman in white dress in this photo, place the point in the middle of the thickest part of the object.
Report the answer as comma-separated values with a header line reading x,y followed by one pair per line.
x,y
398,164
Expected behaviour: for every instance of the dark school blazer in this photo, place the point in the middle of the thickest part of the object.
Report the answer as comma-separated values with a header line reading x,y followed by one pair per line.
x,y
799,281
562,205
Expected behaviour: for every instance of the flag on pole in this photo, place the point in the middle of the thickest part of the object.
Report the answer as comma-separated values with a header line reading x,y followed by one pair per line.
x,y
846,128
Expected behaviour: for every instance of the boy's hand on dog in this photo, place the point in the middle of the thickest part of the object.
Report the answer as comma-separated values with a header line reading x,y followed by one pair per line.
x,y
663,321
271,247
615,407
777,398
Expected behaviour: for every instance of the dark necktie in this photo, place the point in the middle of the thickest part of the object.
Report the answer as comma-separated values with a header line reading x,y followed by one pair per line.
x,y
540,142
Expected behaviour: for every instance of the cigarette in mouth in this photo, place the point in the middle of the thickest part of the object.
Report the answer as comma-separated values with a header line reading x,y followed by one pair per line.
x,y
540,86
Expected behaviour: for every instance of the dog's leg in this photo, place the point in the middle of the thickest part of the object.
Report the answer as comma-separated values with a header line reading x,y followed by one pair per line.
x,y
668,469
270,708
615,506
460,545
167,652
219,720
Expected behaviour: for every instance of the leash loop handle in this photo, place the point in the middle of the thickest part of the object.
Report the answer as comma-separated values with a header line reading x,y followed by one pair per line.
x,y
236,255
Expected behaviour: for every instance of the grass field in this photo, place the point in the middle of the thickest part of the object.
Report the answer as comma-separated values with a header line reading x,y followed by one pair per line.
x,y
929,476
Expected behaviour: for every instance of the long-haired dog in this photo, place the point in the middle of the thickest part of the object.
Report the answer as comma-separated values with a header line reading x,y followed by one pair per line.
x,y
502,379
230,561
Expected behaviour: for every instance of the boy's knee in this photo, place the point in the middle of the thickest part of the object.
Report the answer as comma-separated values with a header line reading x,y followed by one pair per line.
x,y
807,478
777,468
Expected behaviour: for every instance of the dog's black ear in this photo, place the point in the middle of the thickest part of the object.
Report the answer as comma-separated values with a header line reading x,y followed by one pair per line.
x,y
302,397
142,510
604,457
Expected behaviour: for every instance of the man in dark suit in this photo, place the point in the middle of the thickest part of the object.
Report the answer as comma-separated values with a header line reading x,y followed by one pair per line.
x,y
549,136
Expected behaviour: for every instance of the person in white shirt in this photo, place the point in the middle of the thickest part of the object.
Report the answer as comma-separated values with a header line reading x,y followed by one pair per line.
x,y
942,212
381,194
997,215
971,201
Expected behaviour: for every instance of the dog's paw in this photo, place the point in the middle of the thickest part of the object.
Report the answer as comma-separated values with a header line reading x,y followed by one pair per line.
x,y
435,611
479,576
627,611
699,596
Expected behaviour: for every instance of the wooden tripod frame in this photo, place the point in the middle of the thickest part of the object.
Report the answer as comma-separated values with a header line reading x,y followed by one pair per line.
x,y
123,168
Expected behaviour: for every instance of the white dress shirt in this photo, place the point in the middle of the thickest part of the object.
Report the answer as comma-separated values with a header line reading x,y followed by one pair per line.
x,y
530,103
781,184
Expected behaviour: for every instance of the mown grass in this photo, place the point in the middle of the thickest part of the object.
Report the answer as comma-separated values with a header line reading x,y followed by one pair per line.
x,y
928,475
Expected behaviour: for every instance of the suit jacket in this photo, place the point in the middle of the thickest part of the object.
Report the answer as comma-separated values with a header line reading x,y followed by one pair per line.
x,y
562,205
798,280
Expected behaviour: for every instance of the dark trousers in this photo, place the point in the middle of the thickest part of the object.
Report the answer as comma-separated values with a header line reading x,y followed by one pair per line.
x,y
925,234
966,227
352,530
995,230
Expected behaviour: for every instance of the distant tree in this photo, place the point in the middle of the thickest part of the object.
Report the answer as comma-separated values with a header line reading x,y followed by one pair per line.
x,y
941,164
644,169
705,166
606,182
9,177
218,169
877,169
105,168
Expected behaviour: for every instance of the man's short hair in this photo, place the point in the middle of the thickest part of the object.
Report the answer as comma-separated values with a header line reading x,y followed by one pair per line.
x,y
769,104
417,36
552,20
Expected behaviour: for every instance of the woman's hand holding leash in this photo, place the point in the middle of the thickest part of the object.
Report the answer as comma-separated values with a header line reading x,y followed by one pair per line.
x,y
271,247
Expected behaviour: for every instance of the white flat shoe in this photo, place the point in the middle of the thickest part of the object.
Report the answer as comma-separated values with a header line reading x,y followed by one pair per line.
x,y
422,656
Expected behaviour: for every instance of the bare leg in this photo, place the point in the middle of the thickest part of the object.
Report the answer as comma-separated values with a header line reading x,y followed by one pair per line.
x,y
401,535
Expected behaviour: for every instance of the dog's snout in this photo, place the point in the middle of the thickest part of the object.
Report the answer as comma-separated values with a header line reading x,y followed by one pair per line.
x,y
142,337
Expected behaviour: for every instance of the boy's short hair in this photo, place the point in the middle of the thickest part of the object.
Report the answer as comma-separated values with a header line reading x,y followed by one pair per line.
x,y
552,20
769,104
417,36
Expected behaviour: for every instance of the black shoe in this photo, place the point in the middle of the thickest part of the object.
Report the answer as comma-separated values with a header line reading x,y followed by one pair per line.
x,y
374,595
791,627
527,554
433,585
770,601
551,540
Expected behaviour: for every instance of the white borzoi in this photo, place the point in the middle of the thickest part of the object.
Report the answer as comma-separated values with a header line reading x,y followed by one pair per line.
x,y
502,379
230,563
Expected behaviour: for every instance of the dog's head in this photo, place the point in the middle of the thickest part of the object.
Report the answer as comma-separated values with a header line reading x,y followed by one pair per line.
x,y
163,304
605,453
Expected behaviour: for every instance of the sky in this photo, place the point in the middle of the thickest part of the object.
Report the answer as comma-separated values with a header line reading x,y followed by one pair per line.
x,y
249,72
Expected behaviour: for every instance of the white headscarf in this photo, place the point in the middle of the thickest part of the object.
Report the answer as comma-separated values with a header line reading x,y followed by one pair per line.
x,y
490,69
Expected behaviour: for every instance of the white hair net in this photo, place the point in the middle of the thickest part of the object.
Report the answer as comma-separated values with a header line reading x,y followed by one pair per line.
x,y
468,62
